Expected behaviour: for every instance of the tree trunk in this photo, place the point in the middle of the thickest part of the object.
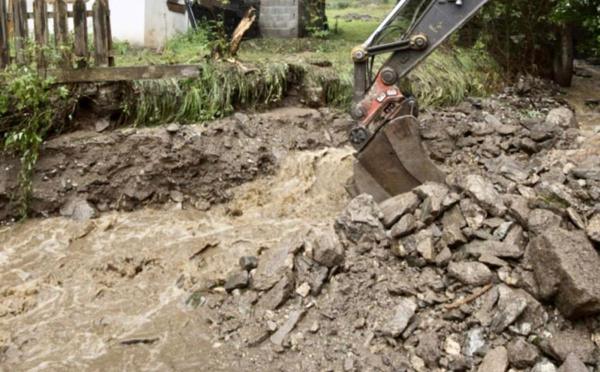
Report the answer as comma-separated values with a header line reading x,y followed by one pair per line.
x,y
563,56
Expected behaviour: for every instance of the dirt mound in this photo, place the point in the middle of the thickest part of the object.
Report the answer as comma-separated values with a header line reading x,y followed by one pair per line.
x,y
196,164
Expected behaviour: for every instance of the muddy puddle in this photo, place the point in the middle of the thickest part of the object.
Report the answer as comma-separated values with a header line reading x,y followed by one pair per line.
x,y
110,294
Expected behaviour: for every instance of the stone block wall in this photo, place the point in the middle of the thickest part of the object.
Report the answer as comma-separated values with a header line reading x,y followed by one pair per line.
x,y
281,18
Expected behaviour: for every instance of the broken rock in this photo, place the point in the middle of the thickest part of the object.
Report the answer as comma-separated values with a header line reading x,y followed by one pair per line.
x,y
521,353
566,266
496,360
326,248
237,280
403,313
510,306
573,364
484,193
279,294
493,248
360,221
470,273
577,342
278,337
562,117
429,349
593,228
394,208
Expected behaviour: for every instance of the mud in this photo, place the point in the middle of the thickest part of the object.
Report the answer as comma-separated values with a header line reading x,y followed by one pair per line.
x,y
112,293
127,290
196,165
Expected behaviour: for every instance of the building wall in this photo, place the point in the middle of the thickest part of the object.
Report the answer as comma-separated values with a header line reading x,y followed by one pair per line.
x,y
161,23
128,20
280,18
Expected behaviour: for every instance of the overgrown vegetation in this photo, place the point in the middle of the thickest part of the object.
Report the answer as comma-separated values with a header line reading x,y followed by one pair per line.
x,y
29,104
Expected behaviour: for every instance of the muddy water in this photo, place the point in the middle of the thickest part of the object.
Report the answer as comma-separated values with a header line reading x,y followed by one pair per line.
x,y
111,294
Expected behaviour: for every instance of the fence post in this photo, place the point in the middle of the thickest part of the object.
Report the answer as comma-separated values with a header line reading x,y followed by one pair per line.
x,y
4,47
21,31
40,23
100,17
81,34
61,31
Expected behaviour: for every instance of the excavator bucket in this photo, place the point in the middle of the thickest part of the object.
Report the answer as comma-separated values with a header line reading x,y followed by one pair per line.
x,y
394,162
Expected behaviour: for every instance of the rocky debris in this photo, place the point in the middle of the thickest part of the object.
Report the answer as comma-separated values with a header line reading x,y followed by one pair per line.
x,y
562,117
248,263
78,209
573,364
577,342
593,228
394,208
482,274
403,313
544,366
470,273
237,280
521,353
278,337
565,265
483,192
496,360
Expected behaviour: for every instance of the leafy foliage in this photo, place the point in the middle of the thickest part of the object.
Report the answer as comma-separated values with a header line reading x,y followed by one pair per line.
x,y
27,113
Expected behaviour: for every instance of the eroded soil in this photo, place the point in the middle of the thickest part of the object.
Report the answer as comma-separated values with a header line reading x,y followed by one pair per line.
x,y
117,292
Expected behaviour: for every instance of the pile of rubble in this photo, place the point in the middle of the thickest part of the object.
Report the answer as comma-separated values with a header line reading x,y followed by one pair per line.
x,y
494,270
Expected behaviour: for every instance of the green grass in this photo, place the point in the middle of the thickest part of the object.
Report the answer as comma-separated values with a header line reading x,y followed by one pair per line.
x,y
446,77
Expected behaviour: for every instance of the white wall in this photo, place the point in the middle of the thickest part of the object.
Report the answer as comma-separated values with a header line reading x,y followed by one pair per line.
x,y
161,23
128,20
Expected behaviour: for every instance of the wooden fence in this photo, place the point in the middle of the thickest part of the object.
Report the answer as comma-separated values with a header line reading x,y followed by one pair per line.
x,y
73,49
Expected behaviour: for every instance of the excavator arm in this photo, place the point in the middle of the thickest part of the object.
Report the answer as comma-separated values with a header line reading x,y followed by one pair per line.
x,y
390,157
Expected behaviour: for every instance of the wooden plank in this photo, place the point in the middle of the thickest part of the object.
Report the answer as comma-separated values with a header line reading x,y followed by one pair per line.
x,y
40,25
61,32
100,17
112,74
4,44
81,33
21,31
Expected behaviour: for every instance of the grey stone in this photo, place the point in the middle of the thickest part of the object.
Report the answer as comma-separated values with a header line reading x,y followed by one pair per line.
x,y
593,228
325,247
406,225
475,343
502,230
434,195
478,248
360,221
592,174
429,349
278,295
424,245
521,353
453,221
102,125
573,364
577,342
173,128
541,220
496,360
544,366
444,257
293,318
492,260
566,267
403,313
474,215
577,220
248,262
308,271
78,209
510,306
237,280
277,262
562,117
470,273
394,208
484,193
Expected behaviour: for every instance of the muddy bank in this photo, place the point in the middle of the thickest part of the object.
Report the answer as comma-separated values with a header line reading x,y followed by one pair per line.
x,y
114,293
196,164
